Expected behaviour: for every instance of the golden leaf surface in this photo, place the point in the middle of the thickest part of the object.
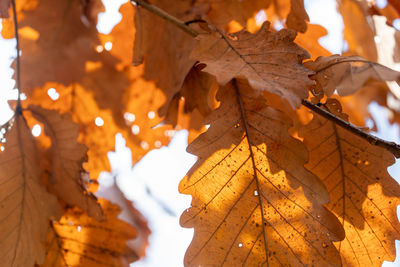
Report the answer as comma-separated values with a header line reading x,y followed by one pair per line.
x,y
363,195
273,65
347,74
66,157
254,204
25,204
77,240
309,40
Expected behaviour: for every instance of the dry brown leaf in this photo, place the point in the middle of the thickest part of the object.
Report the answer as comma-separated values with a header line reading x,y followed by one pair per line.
x,y
166,61
363,195
25,204
298,17
64,45
4,6
222,12
347,74
66,157
197,93
359,30
253,201
273,65
77,240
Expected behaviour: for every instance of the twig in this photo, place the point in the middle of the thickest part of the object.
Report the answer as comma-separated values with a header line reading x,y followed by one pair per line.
x,y
18,109
161,13
373,140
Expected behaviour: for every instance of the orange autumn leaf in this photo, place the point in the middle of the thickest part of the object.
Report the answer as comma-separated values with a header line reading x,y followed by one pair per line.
x,y
171,50
77,240
253,201
64,45
221,13
363,195
25,204
273,65
358,31
66,157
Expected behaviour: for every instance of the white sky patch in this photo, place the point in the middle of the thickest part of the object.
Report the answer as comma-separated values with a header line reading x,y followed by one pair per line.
x,y
261,17
159,172
325,14
107,20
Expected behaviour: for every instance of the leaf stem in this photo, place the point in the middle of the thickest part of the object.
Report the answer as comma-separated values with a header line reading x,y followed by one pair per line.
x,y
168,17
18,109
373,140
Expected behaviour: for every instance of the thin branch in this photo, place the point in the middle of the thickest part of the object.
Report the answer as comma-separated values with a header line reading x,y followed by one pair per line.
x,y
161,13
18,69
373,140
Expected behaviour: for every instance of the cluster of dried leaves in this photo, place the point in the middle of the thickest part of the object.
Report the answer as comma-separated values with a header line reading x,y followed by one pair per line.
x,y
274,184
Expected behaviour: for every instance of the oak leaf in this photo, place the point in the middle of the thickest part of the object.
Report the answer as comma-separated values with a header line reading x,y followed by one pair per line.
x,y
347,74
170,52
78,240
25,204
298,17
363,195
358,31
253,201
64,44
66,157
273,65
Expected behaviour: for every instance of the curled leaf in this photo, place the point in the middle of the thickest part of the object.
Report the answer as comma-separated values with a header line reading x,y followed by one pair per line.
x,y
273,65
347,74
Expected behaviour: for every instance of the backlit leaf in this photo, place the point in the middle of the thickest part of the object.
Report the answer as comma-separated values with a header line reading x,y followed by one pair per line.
x,y
254,203
78,240
363,195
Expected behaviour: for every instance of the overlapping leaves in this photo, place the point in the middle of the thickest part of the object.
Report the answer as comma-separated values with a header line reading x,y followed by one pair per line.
x,y
253,202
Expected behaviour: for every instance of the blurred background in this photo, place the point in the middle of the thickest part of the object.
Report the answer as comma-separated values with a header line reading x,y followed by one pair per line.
x,y
154,190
